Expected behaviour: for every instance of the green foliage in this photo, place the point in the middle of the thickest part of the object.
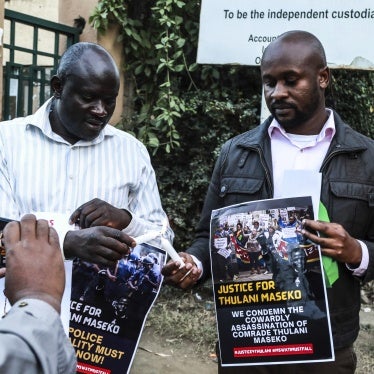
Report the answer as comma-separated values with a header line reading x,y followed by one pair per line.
x,y
183,112
106,11
352,95
154,38
184,174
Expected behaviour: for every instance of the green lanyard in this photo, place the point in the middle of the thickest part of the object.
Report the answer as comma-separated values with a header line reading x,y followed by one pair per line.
x,y
330,266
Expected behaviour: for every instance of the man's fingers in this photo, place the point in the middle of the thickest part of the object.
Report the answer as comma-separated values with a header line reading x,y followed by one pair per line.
x,y
170,269
53,238
73,218
12,233
28,227
184,278
42,229
188,280
76,216
124,238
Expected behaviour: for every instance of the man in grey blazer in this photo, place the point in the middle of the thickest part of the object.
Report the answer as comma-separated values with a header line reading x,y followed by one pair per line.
x,y
32,338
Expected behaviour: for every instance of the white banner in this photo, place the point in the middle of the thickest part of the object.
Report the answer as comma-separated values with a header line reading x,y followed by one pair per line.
x,y
237,31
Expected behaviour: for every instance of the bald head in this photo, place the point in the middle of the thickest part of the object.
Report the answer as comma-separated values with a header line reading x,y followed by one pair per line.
x,y
85,54
300,41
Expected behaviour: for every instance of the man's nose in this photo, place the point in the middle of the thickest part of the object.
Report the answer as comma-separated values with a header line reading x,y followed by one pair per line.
x,y
99,109
279,91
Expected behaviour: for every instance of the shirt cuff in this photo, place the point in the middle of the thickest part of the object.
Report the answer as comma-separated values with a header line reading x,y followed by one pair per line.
x,y
198,264
38,308
135,228
361,269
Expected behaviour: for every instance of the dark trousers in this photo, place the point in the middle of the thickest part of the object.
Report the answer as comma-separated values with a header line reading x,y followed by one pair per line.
x,y
345,363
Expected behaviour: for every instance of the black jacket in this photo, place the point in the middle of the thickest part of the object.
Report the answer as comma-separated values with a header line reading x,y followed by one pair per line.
x,y
243,172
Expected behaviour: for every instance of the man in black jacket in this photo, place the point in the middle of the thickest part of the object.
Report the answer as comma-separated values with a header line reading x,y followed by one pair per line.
x,y
301,133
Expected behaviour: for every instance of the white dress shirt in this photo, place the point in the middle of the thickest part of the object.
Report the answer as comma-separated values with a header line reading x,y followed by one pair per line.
x,y
300,152
41,172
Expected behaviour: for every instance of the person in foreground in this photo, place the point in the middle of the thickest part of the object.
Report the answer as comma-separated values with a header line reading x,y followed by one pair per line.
x,y
73,163
300,133
32,338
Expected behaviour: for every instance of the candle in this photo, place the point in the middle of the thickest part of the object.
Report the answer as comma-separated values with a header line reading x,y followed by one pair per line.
x,y
148,236
165,244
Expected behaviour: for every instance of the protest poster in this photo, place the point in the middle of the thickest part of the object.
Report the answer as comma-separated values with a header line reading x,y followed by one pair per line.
x,y
269,292
104,310
109,306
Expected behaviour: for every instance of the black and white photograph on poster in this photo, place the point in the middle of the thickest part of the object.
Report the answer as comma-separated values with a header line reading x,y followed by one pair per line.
x,y
109,307
269,288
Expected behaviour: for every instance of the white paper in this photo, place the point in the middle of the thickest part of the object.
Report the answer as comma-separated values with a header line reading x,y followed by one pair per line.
x,y
60,222
298,183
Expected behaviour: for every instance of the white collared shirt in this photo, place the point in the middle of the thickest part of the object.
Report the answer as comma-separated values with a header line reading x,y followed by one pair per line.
x,y
300,152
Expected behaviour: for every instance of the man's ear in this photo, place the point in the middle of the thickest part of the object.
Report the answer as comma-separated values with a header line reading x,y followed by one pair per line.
x,y
324,77
56,86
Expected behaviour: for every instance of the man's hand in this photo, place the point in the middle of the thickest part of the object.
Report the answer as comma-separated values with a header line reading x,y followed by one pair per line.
x,y
335,242
35,268
185,277
100,245
100,213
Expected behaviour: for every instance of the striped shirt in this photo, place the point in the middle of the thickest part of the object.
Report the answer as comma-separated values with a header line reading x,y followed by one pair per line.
x,y
41,172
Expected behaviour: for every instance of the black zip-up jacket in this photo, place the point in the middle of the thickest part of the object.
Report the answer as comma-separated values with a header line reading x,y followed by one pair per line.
x,y
243,172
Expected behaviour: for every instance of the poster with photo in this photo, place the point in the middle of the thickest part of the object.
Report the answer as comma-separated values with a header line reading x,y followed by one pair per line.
x,y
109,306
103,309
269,288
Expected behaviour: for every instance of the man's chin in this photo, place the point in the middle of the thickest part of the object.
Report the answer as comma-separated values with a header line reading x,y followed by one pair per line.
x,y
90,137
286,123
92,133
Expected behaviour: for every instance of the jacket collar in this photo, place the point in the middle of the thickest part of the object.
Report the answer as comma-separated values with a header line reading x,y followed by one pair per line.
x,y
346,139
256,137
